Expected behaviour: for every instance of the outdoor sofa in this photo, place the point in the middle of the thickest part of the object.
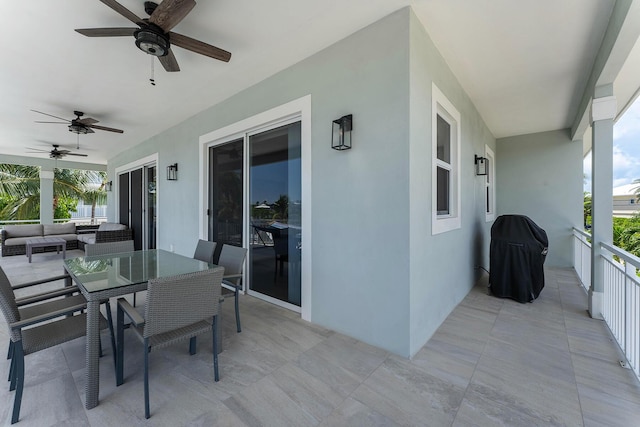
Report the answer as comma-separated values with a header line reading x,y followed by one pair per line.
x,y
14,237
106,232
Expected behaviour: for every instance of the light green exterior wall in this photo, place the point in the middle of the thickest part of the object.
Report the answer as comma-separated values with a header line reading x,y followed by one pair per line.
x,y
360,197
442,266
540,176
377,274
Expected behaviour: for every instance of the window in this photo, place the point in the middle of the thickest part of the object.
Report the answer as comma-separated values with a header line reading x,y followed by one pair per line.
x,y
445,127
490,184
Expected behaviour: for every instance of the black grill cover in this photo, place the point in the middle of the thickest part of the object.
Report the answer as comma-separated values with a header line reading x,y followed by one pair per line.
x,y
517,254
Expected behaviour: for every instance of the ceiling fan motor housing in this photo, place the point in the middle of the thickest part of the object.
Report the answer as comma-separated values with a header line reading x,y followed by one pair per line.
x,y
152,41
78,128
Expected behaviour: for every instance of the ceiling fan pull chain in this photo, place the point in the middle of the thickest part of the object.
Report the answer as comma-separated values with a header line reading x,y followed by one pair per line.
x,y
152,80
77,141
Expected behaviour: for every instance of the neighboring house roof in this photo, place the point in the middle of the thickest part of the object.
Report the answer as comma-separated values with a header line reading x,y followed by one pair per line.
x,y
626,190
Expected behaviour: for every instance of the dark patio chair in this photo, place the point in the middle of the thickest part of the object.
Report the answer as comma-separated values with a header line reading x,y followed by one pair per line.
x,y
232,259
204,250
47,328
108,248
177,308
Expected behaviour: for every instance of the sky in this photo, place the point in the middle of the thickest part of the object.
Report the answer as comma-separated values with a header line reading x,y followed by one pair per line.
x,y
626,149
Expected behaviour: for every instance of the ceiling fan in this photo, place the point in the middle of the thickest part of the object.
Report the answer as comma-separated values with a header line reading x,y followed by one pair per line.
x,y
79,125
154,35
55,153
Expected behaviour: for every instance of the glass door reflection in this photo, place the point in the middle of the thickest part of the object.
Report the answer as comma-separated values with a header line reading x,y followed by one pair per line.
x,y
275,213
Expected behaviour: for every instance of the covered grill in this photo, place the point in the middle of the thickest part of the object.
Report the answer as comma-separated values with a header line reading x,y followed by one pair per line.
x,y
518,250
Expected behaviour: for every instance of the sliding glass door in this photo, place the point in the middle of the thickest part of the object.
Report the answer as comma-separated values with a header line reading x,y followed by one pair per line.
x,y
137,204
255,201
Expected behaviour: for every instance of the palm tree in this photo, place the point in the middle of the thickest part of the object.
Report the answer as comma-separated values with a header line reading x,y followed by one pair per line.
x,y
96,196
21,186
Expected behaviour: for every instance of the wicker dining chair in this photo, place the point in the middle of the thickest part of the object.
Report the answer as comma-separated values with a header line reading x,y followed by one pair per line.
x,y
39,303
37,329
106,248
204,250
177,308
232,259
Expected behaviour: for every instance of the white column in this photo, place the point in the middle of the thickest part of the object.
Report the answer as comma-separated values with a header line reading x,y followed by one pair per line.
x,y
603,111
46,196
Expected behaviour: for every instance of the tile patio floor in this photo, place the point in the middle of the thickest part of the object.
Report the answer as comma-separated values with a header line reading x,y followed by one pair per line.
x,y
492,362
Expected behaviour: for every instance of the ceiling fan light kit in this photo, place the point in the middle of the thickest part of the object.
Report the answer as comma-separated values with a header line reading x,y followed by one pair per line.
x,y
154,36
152,42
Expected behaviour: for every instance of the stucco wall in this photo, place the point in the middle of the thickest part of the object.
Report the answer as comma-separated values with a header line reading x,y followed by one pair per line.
x,y
360,219
443,266
540,176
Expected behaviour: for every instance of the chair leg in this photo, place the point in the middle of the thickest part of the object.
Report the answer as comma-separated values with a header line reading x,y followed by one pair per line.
x,y
120,346
237,291
193,345
10,351
18,356
216,375
12,374
113,338
146,379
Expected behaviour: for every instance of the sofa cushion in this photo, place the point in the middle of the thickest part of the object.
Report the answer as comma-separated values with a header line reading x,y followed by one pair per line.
x,y
54,229
88,238
67,237
17,241
111,226
27,230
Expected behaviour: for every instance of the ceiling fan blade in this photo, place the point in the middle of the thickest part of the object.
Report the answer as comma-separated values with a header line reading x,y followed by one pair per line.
x,y
106,32
38,150
113,4
63,151
51,115
57,123
75,154
103,128
199,47
87,121
169,62
170,12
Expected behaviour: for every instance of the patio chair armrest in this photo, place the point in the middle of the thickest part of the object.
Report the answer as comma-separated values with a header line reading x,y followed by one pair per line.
x,y
232,276
40,282
131,312
44,317
46,295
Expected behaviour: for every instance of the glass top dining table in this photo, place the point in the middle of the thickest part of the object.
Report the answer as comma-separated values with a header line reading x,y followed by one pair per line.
x,y
108,272
105,276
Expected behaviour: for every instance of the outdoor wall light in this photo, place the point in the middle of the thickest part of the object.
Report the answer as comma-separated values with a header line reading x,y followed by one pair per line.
x,y
108,186
172,172
341,137
482,165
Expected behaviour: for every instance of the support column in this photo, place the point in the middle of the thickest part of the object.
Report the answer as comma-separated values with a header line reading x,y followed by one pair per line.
x,y
603,111
46,195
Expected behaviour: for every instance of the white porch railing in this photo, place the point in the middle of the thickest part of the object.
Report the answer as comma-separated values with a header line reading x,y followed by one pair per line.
x,y
582,256
621,301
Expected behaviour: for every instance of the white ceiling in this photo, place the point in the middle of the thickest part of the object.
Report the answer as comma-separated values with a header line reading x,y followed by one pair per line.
x,y
523,63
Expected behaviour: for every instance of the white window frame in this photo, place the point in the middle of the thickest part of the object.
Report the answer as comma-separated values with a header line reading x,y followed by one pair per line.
x,y
490,185
441,106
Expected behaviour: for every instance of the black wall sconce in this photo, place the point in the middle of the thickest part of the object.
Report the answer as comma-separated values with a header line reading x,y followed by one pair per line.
x,y
341,136
172,172
482,165
108,186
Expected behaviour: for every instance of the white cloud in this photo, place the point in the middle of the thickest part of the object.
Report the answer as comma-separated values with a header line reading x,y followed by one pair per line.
x,y
629,123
